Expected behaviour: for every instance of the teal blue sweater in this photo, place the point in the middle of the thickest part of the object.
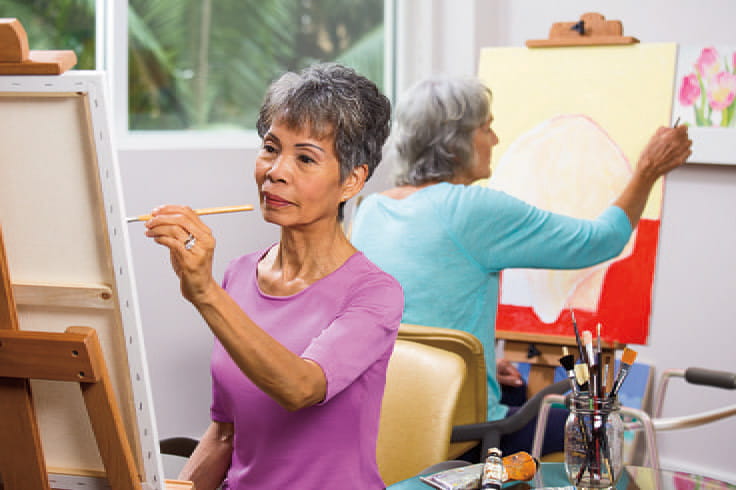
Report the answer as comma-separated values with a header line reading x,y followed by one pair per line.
x,y
446,245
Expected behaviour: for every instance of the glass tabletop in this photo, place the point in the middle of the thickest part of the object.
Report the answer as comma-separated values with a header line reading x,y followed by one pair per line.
x,y
552,475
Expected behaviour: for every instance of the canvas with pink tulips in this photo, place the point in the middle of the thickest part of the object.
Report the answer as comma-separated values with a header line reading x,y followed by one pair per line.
x,y
706,86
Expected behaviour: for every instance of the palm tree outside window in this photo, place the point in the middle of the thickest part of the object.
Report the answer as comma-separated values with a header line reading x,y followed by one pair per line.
x,y
205,64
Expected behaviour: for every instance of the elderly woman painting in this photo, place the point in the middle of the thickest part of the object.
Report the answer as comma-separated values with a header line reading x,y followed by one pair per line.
x,y
305,328
446,241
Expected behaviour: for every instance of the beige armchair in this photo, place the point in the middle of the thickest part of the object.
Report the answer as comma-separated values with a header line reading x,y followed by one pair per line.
x,y
423,385
470,427
473,399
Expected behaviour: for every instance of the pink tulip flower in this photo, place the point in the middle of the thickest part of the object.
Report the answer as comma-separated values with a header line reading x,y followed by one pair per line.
x,y
707,64
722,90
689,90
683,481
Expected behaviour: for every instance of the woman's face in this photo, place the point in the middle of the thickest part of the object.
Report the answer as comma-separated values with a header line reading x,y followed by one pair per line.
x,y
298,178
484,139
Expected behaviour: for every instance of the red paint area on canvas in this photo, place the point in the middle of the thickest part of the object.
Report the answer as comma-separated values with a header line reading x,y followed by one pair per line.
x,y
625,305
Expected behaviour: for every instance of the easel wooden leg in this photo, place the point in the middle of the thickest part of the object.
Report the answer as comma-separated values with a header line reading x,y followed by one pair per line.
x,y
540,377
107,424
22,464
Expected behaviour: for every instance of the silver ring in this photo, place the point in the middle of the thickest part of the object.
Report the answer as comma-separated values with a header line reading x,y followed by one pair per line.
x,y
189,242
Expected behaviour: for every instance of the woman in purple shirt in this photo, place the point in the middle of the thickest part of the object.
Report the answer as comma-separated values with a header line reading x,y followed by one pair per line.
x,y
304,329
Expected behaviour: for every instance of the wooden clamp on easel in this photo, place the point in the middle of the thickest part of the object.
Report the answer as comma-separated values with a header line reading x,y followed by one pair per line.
x,y
75,356
591,30
17,59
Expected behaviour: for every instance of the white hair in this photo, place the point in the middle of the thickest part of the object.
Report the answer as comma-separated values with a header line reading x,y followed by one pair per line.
x,y
432,136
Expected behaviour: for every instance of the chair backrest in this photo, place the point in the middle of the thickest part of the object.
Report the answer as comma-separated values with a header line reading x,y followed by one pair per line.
x,y
423,385
473,402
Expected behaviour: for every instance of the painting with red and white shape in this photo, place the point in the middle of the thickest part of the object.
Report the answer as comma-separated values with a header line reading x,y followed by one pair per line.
x,y
570,165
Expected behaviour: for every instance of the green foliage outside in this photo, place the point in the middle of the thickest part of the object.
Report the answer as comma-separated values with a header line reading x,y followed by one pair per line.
x,y
205,64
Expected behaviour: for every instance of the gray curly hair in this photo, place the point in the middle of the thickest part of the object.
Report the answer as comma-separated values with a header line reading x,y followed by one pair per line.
x,y
332,100
432,137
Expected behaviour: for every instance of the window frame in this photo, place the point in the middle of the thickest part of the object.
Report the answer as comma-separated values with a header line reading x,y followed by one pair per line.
x,y
112,56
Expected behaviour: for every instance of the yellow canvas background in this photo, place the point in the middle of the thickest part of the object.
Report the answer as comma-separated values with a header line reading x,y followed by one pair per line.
x,y
627,90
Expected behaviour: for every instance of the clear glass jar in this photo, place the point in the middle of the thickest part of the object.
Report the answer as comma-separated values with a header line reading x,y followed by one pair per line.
x,y
594,442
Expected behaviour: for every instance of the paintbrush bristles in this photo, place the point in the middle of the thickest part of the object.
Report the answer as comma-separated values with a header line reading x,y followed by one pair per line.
x,y
629,356
627,359
581,373
568,362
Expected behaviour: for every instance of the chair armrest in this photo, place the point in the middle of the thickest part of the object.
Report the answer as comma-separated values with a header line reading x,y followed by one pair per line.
x,y
694,420
709,377
490,432
178,446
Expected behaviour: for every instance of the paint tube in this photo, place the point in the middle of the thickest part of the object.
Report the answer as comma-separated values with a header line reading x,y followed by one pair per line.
x,y
492,477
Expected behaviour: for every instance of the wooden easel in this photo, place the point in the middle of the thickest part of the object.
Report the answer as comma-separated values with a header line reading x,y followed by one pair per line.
x,y
72,356
543,351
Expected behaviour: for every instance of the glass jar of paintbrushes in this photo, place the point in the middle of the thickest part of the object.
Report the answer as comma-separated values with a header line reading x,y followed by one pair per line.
x,y
594,431
594,441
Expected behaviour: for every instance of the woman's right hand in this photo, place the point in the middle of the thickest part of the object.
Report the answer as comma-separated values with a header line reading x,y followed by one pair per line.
x,y
666,150
191,246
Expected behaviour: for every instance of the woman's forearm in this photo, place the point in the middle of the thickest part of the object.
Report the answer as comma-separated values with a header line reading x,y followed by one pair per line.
x,y
209,462
633,198
290,380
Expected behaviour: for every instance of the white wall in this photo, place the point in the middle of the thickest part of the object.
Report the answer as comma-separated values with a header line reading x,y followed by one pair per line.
x,y
693,308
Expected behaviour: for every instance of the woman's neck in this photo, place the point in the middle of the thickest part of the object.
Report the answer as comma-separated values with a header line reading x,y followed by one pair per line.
x,y
404,191
302,258
462,179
